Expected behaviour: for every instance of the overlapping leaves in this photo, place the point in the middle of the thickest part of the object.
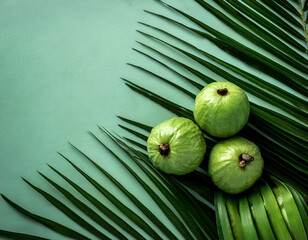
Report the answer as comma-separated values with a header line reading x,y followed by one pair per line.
x,y
199,225
283,140
281,135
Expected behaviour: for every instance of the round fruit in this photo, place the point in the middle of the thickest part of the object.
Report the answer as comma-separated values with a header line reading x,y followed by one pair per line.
x,y
221,109
235,164
176,146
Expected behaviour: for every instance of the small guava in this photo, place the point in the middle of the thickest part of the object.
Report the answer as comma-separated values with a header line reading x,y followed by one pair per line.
x,y
235,164
176,146
221,109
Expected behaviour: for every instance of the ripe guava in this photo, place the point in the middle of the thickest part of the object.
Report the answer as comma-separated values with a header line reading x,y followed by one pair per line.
x,y
235,164
176,146
221,109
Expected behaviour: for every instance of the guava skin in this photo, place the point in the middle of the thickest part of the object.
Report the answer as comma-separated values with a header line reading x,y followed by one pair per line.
x,y
186,146
224,163
221,115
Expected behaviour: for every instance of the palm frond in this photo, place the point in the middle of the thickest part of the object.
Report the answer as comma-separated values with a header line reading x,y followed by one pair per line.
x,y
239,50
68,212
260,212
59,228
191,203
132,198
301,205
278,124
102,207
259,35
289,7
277,222
137,134
177,204
258,92
124,209
303,12
192,180
282,12
267,24
249,230
198,225
272,165
305,6
300,103
85,209
260,215
137,124
274,18
18,236
223,223
295,224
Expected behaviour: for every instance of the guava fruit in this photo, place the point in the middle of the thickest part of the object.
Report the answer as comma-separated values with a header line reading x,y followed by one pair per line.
x,y
221,109
176,146
235,164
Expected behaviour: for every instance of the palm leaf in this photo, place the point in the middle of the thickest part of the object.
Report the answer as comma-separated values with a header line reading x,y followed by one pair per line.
x,y
296,112
277,222
68,212
137,124
286,5
279,228
284,172
303,130
305,6
254,58
260,216
262,114
135,133
85,209
302,206
177,204
235,220
282,12
59,228
137,144
265,208
274,18
223,223
267,24
285,53
192,180
124,209
102,208
173,188
19,236
292,215
276,134
132,198
249,230
191,202
300,103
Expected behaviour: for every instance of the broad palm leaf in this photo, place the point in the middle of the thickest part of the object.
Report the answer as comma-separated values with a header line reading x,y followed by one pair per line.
x,y
190,203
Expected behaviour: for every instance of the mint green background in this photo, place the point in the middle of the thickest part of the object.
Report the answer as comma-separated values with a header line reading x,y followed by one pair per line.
x,y
60,68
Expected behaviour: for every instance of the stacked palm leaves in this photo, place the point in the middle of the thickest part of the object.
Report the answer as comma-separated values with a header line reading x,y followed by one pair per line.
x,y
273,208
282,133
264,212
195,222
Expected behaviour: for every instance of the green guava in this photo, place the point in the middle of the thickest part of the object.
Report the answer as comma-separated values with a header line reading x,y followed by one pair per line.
x,y
176,146
235,164
221,109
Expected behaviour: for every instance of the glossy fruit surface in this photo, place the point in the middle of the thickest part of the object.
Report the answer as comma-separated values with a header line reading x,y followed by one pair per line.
x,y
235,164
176,146
221,109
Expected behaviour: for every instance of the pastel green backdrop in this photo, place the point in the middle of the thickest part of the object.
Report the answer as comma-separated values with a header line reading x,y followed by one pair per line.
x,y
60,68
